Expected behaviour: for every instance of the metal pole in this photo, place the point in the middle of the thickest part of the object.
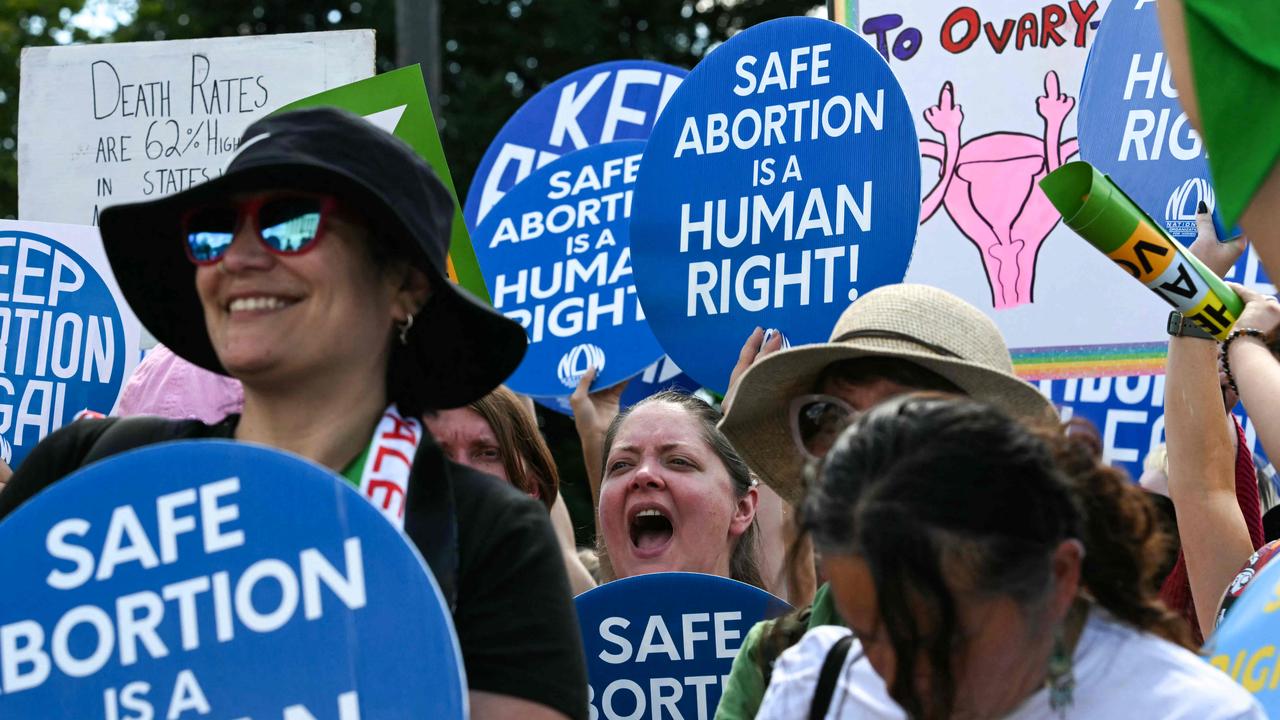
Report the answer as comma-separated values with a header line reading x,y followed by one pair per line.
x,y
418,41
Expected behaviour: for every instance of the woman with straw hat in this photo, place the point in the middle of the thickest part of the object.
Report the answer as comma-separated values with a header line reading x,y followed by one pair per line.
x,y
787,407
313,271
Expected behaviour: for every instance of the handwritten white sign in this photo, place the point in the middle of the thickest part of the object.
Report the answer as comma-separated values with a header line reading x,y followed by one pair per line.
x,y
105,124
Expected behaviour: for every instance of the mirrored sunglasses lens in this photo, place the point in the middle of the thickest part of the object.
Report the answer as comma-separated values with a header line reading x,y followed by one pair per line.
x,y
289,224
210,232
819,424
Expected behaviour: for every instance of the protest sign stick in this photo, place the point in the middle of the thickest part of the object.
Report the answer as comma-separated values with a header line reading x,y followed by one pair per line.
x,y
1097,209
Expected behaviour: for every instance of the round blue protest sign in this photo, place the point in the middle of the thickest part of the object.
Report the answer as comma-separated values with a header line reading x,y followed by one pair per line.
x,y
209,578
1244,645
62,339
781,181
1132,127
662,375
658,645
555,255
617,100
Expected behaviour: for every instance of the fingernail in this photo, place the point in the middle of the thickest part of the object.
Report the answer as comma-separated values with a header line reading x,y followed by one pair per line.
x,y
1202,208
768,334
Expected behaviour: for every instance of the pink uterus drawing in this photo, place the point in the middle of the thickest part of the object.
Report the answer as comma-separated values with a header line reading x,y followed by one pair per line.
x,y
990,188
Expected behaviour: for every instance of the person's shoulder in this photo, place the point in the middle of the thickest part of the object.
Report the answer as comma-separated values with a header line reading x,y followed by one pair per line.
x,y
1168,676
805,658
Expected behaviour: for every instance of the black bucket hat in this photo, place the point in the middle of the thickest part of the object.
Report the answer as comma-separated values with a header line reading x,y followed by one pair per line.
x,y
458,349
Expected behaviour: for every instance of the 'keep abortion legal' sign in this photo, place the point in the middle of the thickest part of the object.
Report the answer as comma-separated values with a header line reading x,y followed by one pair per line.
x,y
556,258
660,645
68,340
781,181
617,100
1132,126
213,579
122,122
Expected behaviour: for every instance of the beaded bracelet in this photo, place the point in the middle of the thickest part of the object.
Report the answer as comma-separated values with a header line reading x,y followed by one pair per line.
x,y
1226,346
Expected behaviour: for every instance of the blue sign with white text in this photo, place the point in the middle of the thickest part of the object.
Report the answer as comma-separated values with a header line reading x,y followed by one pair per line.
x,y
210,578
555,255
781,182
1133,128
602,103
1243,646
662,375
62,339
1128,412
658,645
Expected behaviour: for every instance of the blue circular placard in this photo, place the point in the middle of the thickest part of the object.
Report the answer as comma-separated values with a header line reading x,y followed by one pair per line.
x,y
209,578
662,375
1132,127
556,257
618,100
666,638
781,181
62,340
1243,646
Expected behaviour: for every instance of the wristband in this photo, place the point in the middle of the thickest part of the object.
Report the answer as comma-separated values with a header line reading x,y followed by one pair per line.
x,y
1180,326
1226,347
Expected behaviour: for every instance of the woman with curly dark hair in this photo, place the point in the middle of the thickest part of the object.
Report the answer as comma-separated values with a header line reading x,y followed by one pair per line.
x,y
987,571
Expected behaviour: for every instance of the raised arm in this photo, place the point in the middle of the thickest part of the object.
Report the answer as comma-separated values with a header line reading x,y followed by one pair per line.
x,y
1202,457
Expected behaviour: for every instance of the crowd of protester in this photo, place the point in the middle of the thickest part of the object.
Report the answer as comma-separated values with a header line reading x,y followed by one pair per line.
x,y
953,548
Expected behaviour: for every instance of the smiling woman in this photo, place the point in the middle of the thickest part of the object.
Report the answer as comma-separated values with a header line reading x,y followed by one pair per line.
x,y
675,496
313,271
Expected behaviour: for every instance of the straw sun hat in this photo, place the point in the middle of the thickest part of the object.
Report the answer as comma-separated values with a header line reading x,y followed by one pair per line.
x,y
917,323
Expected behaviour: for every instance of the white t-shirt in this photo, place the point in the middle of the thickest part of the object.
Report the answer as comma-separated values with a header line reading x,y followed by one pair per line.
x,y
1120,674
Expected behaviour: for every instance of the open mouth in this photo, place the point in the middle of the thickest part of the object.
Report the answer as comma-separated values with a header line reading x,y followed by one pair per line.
x,y
651,532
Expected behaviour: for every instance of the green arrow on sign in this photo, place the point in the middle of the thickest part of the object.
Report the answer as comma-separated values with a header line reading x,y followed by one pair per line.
x,y
397,102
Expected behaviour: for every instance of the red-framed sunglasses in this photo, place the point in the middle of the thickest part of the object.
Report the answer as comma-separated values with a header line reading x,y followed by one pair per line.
x,y
286,224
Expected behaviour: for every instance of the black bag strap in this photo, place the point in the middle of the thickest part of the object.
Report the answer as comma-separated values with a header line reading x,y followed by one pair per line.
x,y
828,677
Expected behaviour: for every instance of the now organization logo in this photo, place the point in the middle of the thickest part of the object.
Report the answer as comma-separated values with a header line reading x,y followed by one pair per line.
x,y
1180,210
575,363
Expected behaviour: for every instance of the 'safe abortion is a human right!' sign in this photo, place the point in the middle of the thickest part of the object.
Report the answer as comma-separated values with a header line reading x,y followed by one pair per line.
x,y
781,181
210,579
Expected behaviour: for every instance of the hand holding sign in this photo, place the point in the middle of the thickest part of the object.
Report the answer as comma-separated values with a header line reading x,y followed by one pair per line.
x,y
1261,312
1099,211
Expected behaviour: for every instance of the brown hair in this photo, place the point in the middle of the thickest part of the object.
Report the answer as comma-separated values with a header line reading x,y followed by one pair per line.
x,y
924,481
744,565
525,455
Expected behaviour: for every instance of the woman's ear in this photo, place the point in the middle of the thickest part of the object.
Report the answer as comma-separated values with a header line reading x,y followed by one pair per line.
x,y
744,513
1067,566
413,292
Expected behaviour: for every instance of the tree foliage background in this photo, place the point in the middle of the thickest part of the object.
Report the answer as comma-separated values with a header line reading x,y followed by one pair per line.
x,y
495,55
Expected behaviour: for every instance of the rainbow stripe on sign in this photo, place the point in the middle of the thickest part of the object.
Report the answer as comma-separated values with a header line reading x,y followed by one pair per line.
x,y
1074,361
1098,210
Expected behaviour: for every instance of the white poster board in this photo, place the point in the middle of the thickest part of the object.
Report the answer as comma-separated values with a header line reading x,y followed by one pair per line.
x,y
68,340
105,124
1013,73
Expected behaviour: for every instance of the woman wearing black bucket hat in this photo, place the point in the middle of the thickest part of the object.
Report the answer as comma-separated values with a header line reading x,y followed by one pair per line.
x,y
313,271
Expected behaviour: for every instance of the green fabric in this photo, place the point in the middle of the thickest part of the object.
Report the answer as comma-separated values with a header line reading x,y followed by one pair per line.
x,y
355,470
1235,61
744,688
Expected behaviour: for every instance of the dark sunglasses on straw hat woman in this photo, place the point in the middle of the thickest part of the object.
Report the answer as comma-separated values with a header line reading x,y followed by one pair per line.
x,y
313,271
790,406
